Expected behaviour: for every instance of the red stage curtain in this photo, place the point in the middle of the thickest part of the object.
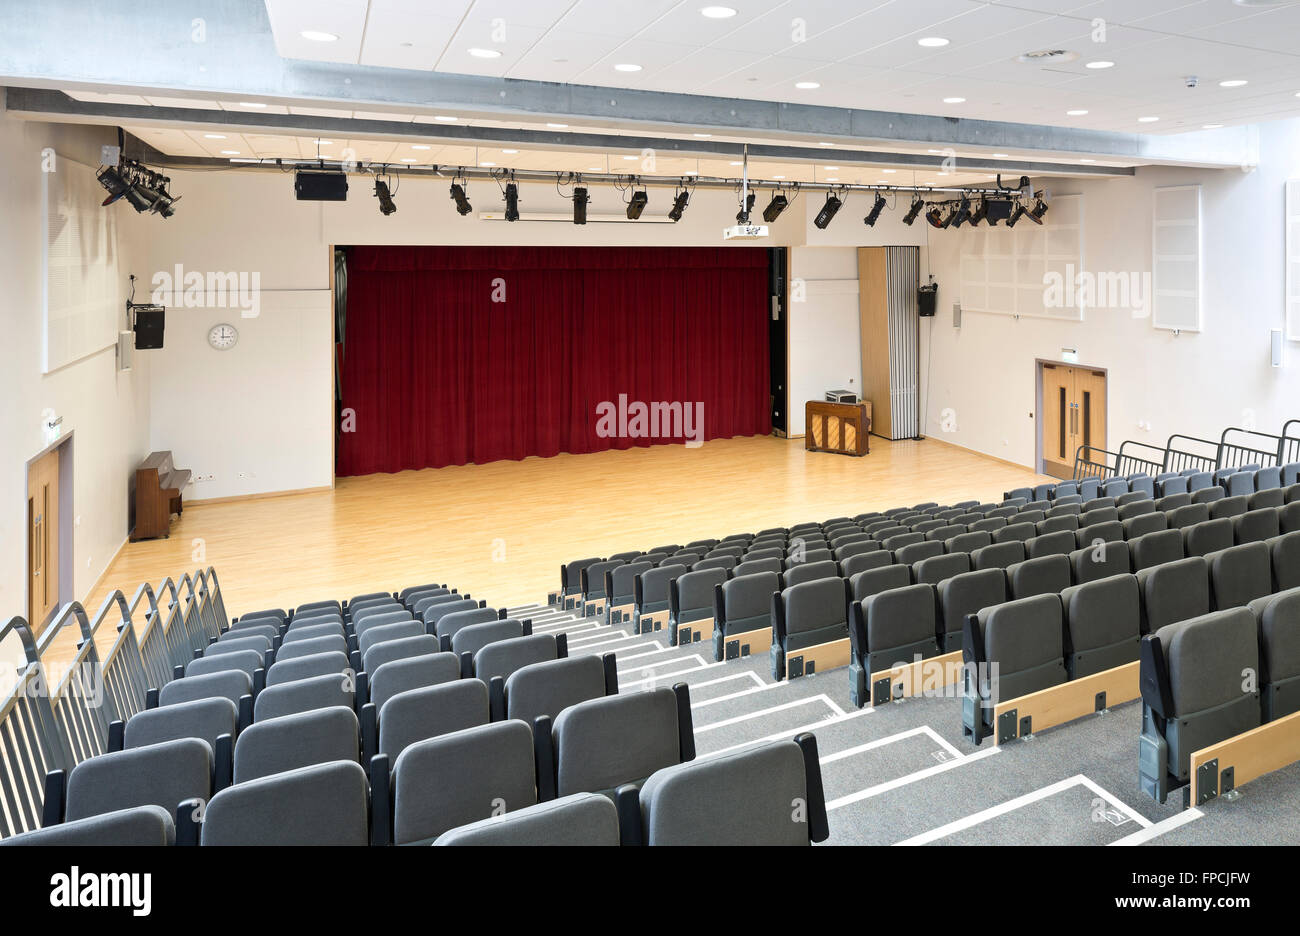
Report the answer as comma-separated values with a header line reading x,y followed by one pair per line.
x,y
438,373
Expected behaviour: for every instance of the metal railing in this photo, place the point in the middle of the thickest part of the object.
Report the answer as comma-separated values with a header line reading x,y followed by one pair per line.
x,y
1188,453
1241,447
1131,460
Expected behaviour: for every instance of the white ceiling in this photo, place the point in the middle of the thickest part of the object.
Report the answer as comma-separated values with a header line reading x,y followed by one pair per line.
x,y
863,53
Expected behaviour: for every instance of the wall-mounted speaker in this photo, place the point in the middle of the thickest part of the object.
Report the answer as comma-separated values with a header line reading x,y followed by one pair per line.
x,y
149,321
1276,339
927,297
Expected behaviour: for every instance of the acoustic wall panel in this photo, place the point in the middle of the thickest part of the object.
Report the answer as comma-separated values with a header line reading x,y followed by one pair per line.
x,y
1293,259
1176,258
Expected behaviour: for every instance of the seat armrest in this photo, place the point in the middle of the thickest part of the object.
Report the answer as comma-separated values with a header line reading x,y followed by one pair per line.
x,y
627,800
381,813
223,763
56,798
818,825
544,754
116,735
189,821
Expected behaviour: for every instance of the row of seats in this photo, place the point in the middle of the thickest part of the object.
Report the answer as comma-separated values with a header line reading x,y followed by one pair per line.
x,y
1033,643
1232,480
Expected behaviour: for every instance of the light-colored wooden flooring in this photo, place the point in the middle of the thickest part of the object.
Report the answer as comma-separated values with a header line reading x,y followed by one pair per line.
x,y
501,531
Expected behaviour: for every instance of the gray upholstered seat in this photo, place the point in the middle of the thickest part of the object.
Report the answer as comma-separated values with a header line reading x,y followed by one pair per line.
x,y
422,605
416,714
434,613
592,578
651,591
252,629
1239,575
806,615
1107,531
934,570
1174,591
378,615
1098,515
164,775
1230,507
743,798
999,555
304,667
1278,619
312,631
475,637
810,571
1174,500
399,649
451,780
767,564
547,688
1047,575
1285,552
743,605
303,695
1102,624
966,594
944,533
604,743
258,643
1208,495
301,648
1100,561
294,741
1072,509
141,825
1152,549
447,625
416,672
899,540
325,804
899,625
501,658
579,819
690,597
1060,543
1188,514
247,661
915,552
1067,523
967,542
864,562
1255,526
1143,524
1015,531
1022,643
1210,536
1193,692
205,719
228,684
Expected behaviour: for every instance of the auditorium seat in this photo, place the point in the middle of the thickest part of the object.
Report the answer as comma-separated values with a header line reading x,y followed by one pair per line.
x,y
1193,693
1102,624
968,542
650,611
163,774
873,581
621,588
888,629
235,685
1047,575
303,695
398,630
579,819
549,687
1207,537
399,649
915,552
1229,507
739,799
326,804
1022,642
311,631
1189,515
810,571
602,744
429,712
1060,543
690,599
1174,591
1278,620
1208,495
468,641
213,720
1285,552
1239,575
806,615
1144,523
317,664
1151,549
1255,526
937,568
141,825
294,741
999,555
1100,561
592,582
406,673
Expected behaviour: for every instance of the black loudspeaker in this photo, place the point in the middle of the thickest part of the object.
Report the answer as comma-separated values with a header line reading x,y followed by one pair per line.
x,y
926,299
320,186
149,320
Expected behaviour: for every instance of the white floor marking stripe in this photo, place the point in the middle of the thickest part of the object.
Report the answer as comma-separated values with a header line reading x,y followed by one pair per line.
x,y
651,667
598,651
759,687
604,638
790,733
637,656
737,719
872,745
1011,805
913,777
1160,828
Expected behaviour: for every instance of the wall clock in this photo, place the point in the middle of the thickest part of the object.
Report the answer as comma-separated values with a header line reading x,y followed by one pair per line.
x,y
223,337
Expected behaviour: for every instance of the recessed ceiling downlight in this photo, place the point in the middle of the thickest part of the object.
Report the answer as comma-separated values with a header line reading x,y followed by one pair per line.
x,y
932,42
717,12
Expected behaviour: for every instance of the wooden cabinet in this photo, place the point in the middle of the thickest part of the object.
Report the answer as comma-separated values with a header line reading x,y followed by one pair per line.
x,y
843,428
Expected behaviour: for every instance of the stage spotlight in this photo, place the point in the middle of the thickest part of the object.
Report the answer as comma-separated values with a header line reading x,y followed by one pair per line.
x,y
742,216
1036,213
827,214
979,214
165,205
512,202
917,207
679,205
963,212
637,204
874,214
936,218
774,208
463,207
580,205
385,195
1016,215
114,182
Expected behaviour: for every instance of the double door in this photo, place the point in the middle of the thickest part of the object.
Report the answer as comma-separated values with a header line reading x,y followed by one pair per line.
x,y
1073,412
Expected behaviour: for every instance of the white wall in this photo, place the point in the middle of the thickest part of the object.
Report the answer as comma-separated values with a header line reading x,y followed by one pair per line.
x,y
825,353
1196,384
108,411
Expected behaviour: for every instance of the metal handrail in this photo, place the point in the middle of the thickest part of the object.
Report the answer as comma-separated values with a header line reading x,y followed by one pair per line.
x,y
1178,459
1235,454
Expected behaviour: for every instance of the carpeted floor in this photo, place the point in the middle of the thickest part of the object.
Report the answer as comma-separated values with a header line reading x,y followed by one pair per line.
x,y
902,773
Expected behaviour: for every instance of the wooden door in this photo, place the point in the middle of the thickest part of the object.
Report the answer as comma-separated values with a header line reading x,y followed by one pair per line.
x,y
1057,420
1090,405
1073,413
43,539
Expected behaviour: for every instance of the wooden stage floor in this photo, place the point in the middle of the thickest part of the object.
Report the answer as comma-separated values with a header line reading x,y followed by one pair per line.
x,y
500,531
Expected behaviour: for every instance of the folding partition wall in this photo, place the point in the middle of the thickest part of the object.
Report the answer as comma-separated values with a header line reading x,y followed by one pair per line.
x,y
889,329
458,355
